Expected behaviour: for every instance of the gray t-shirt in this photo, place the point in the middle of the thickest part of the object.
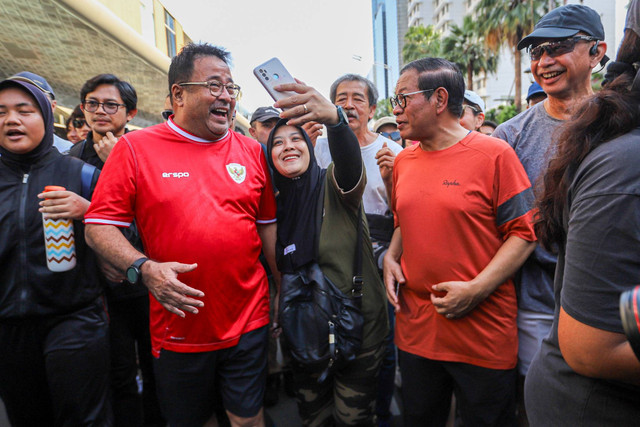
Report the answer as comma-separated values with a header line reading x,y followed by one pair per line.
x,y
601,259
531,134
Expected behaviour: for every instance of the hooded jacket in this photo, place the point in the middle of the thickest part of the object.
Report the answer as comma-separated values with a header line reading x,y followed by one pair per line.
x,y
28,288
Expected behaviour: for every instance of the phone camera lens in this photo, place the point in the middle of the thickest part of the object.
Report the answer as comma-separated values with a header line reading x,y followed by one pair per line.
x,y
276,77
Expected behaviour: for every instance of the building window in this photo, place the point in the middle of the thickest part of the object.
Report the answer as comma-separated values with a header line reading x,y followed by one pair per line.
x,y
170,29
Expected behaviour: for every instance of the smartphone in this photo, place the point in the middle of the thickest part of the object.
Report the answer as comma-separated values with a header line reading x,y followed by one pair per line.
x,y
273,73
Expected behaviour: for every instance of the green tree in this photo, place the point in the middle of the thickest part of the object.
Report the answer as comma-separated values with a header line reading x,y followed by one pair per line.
x,y
420,41
383,108
506,22
466,47
501,114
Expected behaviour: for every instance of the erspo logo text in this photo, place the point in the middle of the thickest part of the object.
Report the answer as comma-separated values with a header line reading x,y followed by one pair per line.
x,y
175,174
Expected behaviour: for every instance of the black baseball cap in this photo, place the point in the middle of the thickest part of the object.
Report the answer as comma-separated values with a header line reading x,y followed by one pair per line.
x,y
564,22
36,80
262,114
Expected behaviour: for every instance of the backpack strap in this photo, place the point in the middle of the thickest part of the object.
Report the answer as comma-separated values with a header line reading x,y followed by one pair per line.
x,y
86,176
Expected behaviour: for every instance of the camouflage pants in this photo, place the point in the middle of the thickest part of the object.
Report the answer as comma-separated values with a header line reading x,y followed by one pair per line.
x,y
346,398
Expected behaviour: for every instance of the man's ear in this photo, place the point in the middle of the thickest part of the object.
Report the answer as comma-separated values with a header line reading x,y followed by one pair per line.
x,y
372,111
442,99
177,93
601,49
252,132
131,114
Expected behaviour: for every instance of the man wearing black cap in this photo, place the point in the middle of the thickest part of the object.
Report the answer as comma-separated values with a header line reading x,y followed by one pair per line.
x,y
41,83
564,47
262,121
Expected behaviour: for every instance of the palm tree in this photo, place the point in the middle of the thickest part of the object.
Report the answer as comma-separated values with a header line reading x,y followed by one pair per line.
x,y
420,41
465,46
506,22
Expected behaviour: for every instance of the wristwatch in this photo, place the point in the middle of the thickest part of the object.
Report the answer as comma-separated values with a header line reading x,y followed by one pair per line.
x,y
342,118
133,272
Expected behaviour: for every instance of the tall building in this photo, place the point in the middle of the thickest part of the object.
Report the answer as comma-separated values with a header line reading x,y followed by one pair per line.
x,y
70,41
389,28
499,88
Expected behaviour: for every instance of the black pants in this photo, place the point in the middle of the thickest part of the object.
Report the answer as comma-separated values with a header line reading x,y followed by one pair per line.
x,y
485,397
131,344
55,370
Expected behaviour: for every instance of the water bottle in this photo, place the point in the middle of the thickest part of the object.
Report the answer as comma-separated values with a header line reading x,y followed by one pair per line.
x,y
59,241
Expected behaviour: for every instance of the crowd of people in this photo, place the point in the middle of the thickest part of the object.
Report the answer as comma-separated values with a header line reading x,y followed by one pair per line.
x,y
488,259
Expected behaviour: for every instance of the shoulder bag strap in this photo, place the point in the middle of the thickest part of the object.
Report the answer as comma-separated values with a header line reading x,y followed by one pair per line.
x,y
357,259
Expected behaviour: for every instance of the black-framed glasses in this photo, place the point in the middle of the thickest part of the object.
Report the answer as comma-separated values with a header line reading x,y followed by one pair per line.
x,y
395,135
166,114
400,100
557,47
78,123
109,107
216,88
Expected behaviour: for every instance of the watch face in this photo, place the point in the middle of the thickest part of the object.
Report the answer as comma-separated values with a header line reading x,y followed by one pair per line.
x,y
132,275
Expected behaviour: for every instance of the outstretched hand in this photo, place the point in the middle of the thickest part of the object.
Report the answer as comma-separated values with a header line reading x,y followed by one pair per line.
x,y
175,296
306,105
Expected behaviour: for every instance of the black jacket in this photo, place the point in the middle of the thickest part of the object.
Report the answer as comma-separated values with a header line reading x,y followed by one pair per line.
x,y
27,287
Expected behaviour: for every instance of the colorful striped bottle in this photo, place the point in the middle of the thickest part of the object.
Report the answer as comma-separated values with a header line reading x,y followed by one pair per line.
x,y
58,240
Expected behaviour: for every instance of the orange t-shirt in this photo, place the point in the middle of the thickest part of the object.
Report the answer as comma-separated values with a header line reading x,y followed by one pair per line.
x,y
455,207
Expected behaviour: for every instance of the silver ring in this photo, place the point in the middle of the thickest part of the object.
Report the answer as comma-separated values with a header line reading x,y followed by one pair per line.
x,y
306,110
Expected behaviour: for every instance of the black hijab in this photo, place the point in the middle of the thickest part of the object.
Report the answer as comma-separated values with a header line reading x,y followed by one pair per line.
x,y
299,204
24,161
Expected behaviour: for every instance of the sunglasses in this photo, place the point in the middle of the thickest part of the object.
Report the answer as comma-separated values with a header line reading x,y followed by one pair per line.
x,y
557,48
395,135
166,114
78,123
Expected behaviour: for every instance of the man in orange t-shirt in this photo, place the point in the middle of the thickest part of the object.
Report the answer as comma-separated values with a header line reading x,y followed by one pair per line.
x,y
463,215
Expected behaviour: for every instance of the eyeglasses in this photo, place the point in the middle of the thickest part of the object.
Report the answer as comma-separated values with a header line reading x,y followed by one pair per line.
x,y
557,48
395,135
216,88
475,110
166,114
78,123
400,100
108,107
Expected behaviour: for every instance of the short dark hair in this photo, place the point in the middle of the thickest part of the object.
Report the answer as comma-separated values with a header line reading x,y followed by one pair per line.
x,y
127,92
77,113
181,66
438,72
489,123
372,92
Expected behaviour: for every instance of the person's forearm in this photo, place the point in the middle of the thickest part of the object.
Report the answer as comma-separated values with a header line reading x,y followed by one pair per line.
x,y
596,353
268,235
395,246
110,244
509,258
346,155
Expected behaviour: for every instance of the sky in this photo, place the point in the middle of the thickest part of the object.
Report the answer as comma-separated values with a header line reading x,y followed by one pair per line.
x,y
316,40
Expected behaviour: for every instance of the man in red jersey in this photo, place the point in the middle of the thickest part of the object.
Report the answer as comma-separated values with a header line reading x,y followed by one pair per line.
x,y
463,226
202,199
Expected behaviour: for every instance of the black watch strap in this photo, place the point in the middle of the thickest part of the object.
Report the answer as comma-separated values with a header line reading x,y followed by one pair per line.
x,y
133,272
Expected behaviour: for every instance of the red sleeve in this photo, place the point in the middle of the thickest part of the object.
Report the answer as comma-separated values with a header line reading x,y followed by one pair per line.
x,y
513,197
267,208
115,194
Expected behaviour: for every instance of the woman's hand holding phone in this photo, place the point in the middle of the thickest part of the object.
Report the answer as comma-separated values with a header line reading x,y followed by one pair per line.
x,y
306,105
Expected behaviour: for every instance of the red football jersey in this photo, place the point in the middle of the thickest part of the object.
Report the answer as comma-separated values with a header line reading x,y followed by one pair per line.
x,y
194,201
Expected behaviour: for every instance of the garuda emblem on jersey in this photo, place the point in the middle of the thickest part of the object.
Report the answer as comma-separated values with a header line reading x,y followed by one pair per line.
x,y
237,172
